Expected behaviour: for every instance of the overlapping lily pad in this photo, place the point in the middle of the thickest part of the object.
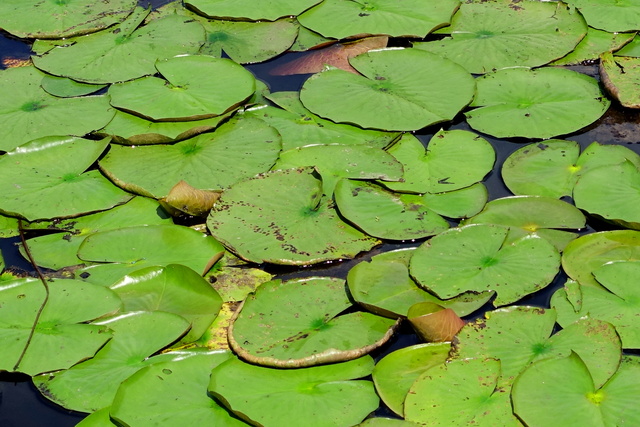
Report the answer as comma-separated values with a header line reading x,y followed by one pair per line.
x,y
452,160
490,35
400,89
334,161
552,168
210,161
105,57
384,286
319,396
415,18
593,44
194,87
617,304
281,217
250,10
538,215
476,257
60,339
277,327
92,384
31,113
621,77
65,190
610,15
62,18
542,103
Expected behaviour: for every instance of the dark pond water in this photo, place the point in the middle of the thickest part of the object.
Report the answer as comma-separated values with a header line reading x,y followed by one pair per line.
x,y
21,404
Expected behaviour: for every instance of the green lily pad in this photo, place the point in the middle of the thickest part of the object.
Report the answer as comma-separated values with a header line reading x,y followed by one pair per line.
x,y
386,422
462,203
60,250
396,372
32,113
299,126
630,49
539,398
610,15
99,418
67,88
281,217
460,392
276,327
249,10
65,190
381,213
92,384
501,336
60,18
333,162
177,390
586,253
210,161
143,246
129,129
175,289
319,396
249,42
452,160
533,215
233,280
339,19
399,89
194,87
617,304
552,168
593,44
60,339
621,77
8,227
616,203
490,35
542,103
383,286
105,57
476,258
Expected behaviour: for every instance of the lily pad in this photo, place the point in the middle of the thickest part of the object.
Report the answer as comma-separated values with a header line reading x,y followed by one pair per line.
x,y
194,87
576,400
175,289
384,286
586,253
185,199
210,161
92,384
610,15
462,203
533,215
277,327
477,258
452,160
249,42
415,18
281,217
143,246
552,168
250,10
67,88
177,389
319,396
621,77
617,304
381,213
460,392
593,44
434,323
66,190
60,339
400,89
105,57
542,103
60,250
616,203
334,161
396,372
299,126
32,113
61,18
490,35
